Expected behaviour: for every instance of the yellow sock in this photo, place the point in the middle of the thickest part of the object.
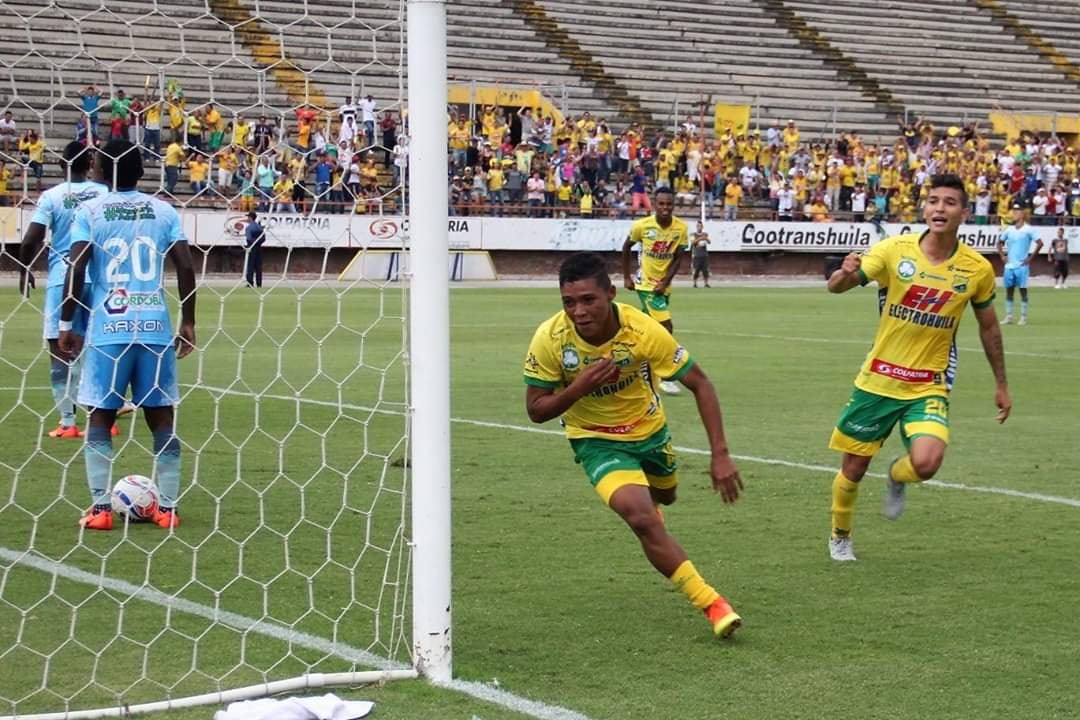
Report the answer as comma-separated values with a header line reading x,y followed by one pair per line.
x,y
699,592
904,471
844,493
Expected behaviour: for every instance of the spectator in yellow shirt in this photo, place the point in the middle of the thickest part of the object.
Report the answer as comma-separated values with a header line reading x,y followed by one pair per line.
x,y
152,129
283,190
5,176
791,137
585,205
174,158
732,195
198,171
819,211
33,151
212,118
241,132
227,163
848,177
195,131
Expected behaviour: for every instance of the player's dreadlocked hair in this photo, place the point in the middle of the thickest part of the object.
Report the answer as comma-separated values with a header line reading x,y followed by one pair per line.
x,y
582,266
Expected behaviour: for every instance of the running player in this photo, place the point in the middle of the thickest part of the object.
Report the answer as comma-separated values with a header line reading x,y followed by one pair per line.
x,y
928,280
122,239
1016,254
594,364
663,239
55,211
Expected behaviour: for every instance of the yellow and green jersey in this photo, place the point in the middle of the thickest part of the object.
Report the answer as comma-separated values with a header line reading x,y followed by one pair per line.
x,y
923,304
658,247
628,408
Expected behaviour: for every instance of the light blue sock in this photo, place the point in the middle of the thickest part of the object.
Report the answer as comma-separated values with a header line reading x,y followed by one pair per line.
x,y
1023,308
98,453
1008,308
167,467
60,378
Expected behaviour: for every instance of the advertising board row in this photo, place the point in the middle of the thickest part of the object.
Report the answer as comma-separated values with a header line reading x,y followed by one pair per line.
x,y
212,228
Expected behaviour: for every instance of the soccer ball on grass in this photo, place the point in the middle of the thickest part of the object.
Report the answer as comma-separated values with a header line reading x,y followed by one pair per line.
x,y
135,497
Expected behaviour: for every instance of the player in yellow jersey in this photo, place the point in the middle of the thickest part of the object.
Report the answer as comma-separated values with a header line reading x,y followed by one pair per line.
x,y
594,364
663,239
927,281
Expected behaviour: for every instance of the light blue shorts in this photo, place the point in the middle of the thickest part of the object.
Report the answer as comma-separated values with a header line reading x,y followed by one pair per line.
x,y
54,298
1016,277
108,370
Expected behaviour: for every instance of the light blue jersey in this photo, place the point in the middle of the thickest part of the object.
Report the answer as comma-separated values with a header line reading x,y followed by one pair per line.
x,y
1018,242
56,210
130,234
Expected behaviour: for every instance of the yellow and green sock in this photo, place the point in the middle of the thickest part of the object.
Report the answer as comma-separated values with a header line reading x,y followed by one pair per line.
x,y
699,592
844,494
903,471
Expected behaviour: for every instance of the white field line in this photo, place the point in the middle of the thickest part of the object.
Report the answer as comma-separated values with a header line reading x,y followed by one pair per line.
x,y
283,633
1038,497
216,615
793,338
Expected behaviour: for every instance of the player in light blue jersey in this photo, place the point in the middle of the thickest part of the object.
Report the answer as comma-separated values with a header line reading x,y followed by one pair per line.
x,y
122,239
55,211
1016,253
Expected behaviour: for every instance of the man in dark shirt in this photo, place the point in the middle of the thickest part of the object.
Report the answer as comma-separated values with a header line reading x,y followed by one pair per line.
x,y
254,236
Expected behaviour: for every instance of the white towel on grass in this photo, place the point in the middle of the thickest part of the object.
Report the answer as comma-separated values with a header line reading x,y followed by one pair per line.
x,y
327,707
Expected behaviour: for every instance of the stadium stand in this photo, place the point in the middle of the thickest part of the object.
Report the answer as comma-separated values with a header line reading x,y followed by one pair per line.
x,y
810,62
977,64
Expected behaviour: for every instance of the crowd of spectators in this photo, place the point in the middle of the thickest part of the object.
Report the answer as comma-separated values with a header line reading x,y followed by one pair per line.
x,y
522,161
344,160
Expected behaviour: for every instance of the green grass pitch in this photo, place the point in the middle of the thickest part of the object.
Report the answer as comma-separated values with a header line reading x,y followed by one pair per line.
x,y
964,608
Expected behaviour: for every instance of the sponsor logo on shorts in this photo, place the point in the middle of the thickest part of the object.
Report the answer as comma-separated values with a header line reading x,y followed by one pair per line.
x,y
133,326
903,374
120,301
858,427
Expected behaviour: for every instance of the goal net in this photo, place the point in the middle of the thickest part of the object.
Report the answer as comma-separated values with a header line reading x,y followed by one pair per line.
x,y
292,564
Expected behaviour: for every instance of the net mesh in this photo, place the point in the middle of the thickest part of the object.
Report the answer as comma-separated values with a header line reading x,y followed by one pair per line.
x,y
292,556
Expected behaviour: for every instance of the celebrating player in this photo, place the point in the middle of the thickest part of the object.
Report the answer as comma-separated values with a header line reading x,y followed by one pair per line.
x,y
122,238
593,363
928,280
1016,254
55,211
663,239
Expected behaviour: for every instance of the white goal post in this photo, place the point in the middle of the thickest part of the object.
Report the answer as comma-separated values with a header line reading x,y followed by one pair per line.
x,y
407,548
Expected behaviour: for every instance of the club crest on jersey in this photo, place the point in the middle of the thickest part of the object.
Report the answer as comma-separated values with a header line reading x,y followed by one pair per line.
x,y
959,284
905,270
570,358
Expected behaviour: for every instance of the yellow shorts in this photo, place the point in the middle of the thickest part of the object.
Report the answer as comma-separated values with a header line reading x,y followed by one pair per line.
x,y
618,478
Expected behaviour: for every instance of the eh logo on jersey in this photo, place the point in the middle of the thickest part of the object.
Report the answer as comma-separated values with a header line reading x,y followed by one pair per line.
x,y
919,297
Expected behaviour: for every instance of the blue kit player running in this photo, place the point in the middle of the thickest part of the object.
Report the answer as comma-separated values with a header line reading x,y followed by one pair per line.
x,y
55,211
122,239
1015,250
